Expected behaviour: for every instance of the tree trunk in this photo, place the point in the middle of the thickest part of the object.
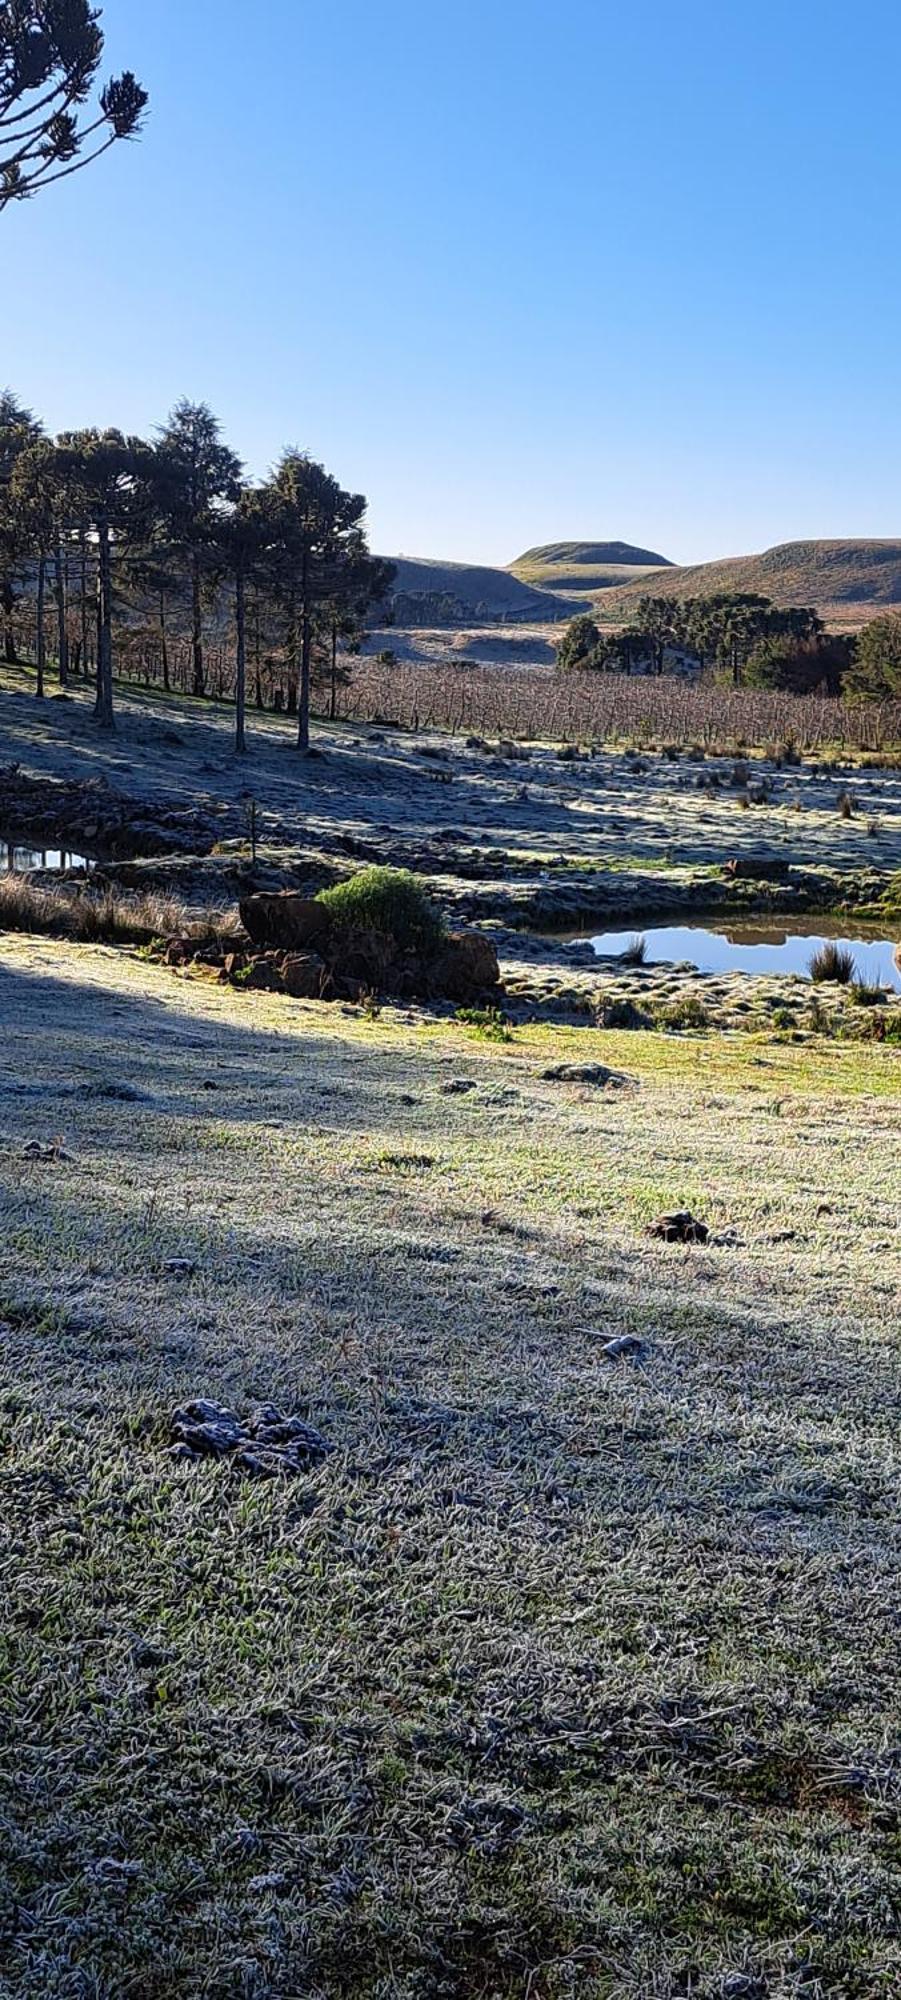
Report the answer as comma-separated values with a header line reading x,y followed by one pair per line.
x,y
258,678
333,691
164,642
84,604
199,682
9,605
240,664
40,634
306,641
103,705
62,626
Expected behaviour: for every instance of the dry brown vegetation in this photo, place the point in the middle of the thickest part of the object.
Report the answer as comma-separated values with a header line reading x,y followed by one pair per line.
x,y
104,915
607,708
848,582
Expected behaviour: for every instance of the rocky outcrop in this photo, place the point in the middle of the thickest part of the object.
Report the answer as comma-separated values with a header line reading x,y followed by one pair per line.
x,y
284,922
45,812
466,969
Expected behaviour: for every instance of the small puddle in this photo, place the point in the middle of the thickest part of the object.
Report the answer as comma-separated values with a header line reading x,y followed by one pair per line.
x,y
754,948
18,858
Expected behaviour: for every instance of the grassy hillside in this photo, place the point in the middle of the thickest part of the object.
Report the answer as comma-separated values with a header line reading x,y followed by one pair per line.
x,y
585,567
847,581
448,593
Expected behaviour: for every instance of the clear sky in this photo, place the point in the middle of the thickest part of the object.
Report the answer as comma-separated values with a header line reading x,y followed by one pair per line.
x,y
519,272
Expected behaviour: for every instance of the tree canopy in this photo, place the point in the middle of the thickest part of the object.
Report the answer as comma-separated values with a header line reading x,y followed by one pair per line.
x,y
875,674
50,55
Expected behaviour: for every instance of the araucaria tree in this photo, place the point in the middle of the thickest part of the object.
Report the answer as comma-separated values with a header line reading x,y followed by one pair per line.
x,y
111,481
314,537
241,555
36,495
18,431
50,53
197,476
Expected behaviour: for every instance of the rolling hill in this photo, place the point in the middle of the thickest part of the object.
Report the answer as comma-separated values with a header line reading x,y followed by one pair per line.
x,y
847,582
446,593
584,568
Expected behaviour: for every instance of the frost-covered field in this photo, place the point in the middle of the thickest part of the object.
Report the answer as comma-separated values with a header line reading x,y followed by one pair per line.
x,y
566,1673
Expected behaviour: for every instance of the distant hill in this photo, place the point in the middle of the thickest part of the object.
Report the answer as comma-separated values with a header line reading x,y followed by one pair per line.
x,y
584,568
444,593
847,582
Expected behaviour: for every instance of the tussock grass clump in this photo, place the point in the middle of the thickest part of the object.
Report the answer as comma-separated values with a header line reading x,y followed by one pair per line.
x,y
103,915
686,1012
636,950
487,1022
389,901
833,961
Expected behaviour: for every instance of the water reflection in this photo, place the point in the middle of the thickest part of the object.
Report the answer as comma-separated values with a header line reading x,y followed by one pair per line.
x,y
22,860
760,948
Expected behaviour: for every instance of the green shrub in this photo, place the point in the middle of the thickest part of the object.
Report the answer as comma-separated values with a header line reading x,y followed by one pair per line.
x,y
389,901
488,1022
621,1013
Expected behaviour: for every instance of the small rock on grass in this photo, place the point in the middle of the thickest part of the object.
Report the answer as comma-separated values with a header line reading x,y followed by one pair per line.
x,y
624,1347
589,1072
679,1227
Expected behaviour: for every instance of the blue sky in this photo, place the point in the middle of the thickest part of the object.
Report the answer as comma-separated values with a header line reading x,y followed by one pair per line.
x,y
518,272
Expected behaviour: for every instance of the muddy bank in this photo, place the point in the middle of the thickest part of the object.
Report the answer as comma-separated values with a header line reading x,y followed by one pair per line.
x,y
90,816
608,897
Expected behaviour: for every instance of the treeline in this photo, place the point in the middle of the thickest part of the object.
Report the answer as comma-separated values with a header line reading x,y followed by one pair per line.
x,y
745,640
116,549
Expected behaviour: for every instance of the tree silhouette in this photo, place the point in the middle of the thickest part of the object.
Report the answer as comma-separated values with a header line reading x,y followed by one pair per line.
x,y
197,476
50,52
18,431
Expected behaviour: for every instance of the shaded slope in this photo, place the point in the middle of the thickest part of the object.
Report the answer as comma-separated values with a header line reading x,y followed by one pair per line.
x,y
445,593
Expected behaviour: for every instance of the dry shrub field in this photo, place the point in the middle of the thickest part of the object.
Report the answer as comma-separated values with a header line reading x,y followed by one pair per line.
x,y
609,708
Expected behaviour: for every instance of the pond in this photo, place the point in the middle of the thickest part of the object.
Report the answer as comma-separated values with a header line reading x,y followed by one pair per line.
x,y
20,859
755,948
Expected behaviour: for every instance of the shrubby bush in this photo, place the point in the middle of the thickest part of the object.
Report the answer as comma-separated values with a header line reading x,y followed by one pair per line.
x,y
389,901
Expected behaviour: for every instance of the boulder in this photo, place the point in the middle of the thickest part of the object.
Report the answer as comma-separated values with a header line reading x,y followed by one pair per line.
x,y
285,921
756,868
466,968
363,960
304,975
262,974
